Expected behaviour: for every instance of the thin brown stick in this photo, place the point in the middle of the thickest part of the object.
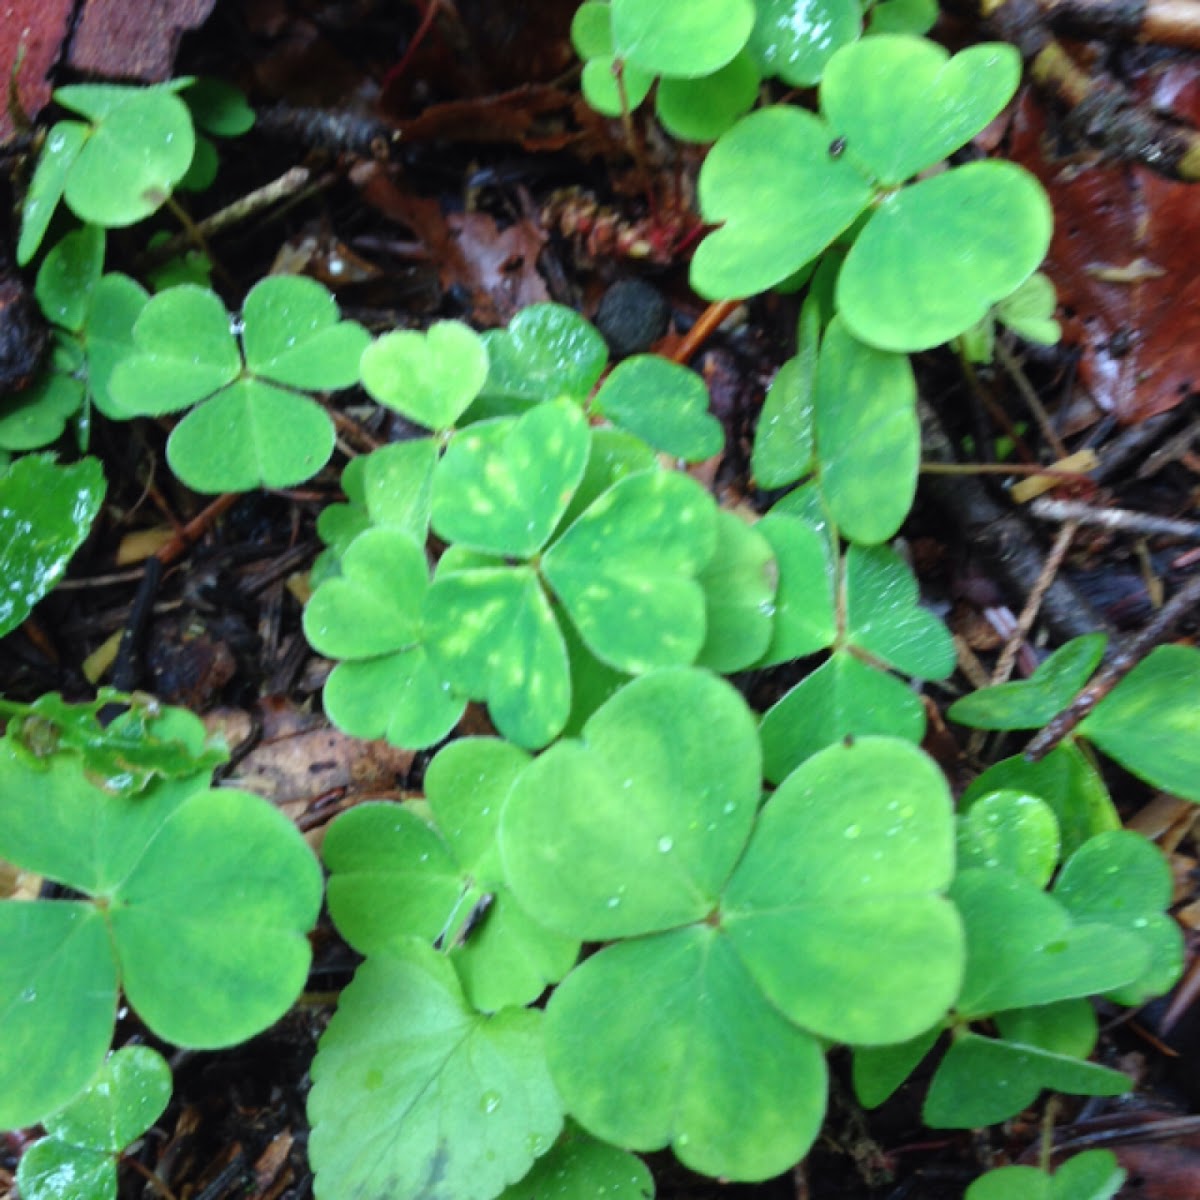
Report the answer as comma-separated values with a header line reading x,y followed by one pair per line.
x,y
708,321
1123,519
195,529
1032,401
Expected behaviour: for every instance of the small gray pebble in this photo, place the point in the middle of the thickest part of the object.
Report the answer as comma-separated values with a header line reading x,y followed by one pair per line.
x,y
632,316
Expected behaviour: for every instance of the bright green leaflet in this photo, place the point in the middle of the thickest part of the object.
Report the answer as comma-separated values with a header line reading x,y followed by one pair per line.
x,y
636,826
683,38
805,620
63,145
1150,722
843,697
591,35
867,435
879,1070
656,1041
1064,1027
794,39
1093,1175
797,910
430,377
700,110
412,1089
662,403
46,513
1030,703
54,1170
578,1167
903,16
783,437
1013,830
218,107
398,485
37,416
67,276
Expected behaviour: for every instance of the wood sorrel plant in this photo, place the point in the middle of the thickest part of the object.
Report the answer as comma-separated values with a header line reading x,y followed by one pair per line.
x,y
754,890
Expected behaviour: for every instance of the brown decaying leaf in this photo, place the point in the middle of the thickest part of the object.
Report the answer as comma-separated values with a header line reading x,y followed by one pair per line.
x,y
40,27
133,39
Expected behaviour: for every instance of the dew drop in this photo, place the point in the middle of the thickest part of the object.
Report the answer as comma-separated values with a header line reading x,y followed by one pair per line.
x,y
852,831
665,845
614,901
489,1102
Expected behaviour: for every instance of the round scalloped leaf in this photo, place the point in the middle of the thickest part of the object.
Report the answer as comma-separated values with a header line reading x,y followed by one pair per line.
x,y
1064,1027
1150,722
783,437
225,894
841,698
884,616
656,1041
492,634
614,454
398,485
1023,949
251,435
413,1090
1066,780
700,110
1121,879
62,147
430,377
1030,703
135,154
391,876
636,826
1011,830
502,486
58,1000
218,107
591,29
842,881
46,513
794,39
374,606
1092,1175
400,696
53,1170
117,302
935,257
601,90
37,416
982,1081
546,352
626,571
867,434
294,335
902,16
902,103
184,351
780,200
68,275
805,621
682,38
578,1167
126,1097
739,597
664,404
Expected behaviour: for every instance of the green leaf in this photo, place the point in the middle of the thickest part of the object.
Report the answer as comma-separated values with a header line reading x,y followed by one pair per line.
x,y
614,454
1122,880
663,403
867,434
1092,1175
1065,1027
493,636
884,618
879,1070
117,302
413,1091
36,417
626,571
656,1041
700,110
779,198
502,486
1012,830
902,16
58,999
546,352
136,152
591,29
982,1081
430,377
226,893
935,256
805,621
59,153
53,1170
68,275
251,435
1066,780
218,107
902,103
578,1167
1030,703
739,594
46,513
293,335
1023,948
1150,722
1029,311
398,485
126,1097
602,91
783,437
636,826
794,39
842,698
684,38
185,351
842,881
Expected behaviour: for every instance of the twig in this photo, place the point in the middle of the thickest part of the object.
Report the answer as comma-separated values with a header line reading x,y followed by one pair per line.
x,y
1032,400
936,468
1114,518
709,320
126,668
1159,626
192,531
